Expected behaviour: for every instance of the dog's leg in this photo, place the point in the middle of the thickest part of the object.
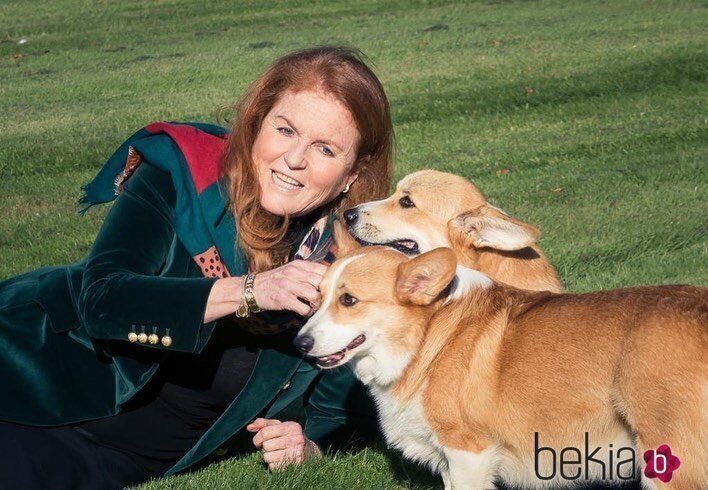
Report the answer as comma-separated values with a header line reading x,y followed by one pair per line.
x,y
471,471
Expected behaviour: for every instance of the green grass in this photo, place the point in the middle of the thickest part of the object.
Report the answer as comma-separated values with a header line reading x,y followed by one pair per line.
x,y
597,109
366,469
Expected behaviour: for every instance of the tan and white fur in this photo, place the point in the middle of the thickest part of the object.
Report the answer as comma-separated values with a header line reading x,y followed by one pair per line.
x,y
433,209
465,370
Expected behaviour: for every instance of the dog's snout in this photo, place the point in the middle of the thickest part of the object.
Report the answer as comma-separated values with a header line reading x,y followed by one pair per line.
x,y
304,343
351,215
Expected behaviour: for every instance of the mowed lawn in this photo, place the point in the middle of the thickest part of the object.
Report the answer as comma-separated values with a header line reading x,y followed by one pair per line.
x,y
587,119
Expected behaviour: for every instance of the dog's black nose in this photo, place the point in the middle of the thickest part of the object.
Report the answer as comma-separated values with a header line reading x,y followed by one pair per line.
x,y
351,215
304,343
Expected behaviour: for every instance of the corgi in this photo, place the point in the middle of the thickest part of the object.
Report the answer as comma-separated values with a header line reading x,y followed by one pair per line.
x,y
433,209
479,380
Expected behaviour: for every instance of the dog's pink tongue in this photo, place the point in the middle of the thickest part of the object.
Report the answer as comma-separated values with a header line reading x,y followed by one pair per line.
x,y
337,356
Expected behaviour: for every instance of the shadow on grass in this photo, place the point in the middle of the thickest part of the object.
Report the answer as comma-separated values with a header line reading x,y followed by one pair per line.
x,y
409,474
461,98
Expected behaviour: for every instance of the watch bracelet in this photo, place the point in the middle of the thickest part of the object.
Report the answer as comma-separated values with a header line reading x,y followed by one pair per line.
x,y
242,310
248,294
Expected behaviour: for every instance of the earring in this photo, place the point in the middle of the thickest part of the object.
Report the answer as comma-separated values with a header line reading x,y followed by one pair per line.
x,y
346,189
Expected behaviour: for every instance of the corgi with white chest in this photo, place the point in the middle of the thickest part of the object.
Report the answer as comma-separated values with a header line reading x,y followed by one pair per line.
x,y
433,209
479,380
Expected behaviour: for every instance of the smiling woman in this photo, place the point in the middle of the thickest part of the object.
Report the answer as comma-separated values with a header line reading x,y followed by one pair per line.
x,y
170,344
304,153
324,123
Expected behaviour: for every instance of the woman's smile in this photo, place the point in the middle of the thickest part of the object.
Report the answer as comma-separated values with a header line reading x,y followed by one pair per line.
x,y
284,182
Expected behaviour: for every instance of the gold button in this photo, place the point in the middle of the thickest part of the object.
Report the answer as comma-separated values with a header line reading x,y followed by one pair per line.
x,y
153,339
286,386
133,337
142,337
166,341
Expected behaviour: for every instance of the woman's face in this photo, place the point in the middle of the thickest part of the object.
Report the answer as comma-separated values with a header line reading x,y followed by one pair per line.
x,y
304,152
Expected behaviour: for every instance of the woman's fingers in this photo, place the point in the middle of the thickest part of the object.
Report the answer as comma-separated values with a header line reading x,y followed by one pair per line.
x,y
308,293
265,428
272,428
284,442
299,307
294,291
274,456
309,272
281,442
279,289
280,459
312,267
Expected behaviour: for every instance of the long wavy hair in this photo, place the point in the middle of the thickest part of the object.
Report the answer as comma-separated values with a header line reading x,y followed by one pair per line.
x,y
336,71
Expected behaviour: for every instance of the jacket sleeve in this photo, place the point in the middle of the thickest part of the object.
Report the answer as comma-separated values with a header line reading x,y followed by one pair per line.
x,y
121,290
339,412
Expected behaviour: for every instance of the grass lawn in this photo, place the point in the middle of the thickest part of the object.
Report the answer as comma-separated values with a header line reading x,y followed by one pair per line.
x,y
584,118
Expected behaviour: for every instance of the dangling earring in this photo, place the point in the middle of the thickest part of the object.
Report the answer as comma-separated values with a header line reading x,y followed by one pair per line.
x,y
346,189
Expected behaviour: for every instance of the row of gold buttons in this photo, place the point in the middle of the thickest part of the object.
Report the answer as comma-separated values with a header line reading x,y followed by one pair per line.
x,y
153,338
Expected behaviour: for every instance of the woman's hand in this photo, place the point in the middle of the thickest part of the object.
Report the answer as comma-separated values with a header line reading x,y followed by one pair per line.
x,y
282,442
282,288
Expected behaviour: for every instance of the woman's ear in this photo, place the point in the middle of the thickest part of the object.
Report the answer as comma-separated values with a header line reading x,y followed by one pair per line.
x,y
352,178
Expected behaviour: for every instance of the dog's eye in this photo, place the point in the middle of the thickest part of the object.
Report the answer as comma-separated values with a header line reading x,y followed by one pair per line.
x,y
406,202
347,300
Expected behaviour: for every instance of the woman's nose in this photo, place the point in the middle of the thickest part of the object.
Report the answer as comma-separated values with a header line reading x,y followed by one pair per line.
x,y
295,157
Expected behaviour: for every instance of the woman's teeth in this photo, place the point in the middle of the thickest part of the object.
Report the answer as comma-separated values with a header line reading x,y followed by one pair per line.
x,y
285,182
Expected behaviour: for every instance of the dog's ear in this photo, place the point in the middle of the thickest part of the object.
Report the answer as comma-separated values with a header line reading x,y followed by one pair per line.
x,y
343,241
491,227
419,281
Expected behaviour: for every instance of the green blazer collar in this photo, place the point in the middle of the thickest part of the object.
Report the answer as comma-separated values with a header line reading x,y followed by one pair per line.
x,y
222,227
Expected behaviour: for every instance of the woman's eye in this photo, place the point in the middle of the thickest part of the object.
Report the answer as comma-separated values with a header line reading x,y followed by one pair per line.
x,y
347,300
286,131
406,202
327,151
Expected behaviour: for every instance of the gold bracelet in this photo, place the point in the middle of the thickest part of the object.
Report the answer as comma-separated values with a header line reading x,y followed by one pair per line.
x,y
242,310
248,294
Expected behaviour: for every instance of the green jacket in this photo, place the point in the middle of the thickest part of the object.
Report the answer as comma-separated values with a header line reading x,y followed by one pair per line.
x,y
63,333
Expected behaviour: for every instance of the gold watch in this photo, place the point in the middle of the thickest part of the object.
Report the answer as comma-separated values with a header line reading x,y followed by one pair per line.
x,y
248,303
248,294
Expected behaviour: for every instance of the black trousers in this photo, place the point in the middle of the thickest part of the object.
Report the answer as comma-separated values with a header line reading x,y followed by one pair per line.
x,y
60,458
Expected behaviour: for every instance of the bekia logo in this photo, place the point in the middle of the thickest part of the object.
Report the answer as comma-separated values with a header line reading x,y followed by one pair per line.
x,y
605,463
609,463
660,463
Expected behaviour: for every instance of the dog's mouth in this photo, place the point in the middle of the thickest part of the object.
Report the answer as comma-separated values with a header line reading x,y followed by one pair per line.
x,y
406,246
334,359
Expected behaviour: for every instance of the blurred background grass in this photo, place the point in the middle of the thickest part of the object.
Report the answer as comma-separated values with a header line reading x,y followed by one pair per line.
x,y
584,118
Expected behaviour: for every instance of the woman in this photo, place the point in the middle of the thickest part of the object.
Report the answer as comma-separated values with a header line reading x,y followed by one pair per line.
x,y
149,357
